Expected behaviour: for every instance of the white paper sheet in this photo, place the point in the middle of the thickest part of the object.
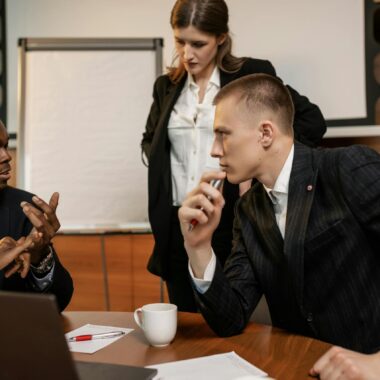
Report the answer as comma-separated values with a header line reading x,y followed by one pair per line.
x,y
226,366
91,346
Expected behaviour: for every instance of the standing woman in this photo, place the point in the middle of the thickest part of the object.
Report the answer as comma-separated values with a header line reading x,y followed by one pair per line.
x,y
179,134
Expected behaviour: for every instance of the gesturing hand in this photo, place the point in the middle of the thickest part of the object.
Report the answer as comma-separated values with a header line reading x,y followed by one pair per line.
x,y
44,220
14,255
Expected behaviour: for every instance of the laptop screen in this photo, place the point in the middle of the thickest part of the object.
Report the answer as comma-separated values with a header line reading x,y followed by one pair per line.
x,y
33,344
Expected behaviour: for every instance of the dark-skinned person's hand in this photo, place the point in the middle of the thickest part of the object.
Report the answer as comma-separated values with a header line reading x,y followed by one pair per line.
x,y
43,217
14,255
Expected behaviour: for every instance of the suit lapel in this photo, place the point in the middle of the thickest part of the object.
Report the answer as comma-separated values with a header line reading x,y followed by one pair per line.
x,y
4,231
160,152
259,210
4,221
172,94
301,194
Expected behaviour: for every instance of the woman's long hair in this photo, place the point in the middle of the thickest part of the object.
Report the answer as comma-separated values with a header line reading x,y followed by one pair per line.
x,y
208,16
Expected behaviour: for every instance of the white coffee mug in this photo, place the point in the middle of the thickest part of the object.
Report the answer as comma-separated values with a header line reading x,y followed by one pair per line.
x,y
158,321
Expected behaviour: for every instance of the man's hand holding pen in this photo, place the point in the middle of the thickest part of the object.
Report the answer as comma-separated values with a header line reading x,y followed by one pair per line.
x,y
216,184
204,205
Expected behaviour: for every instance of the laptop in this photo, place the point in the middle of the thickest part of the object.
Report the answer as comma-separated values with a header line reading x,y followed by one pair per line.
x,y
33,345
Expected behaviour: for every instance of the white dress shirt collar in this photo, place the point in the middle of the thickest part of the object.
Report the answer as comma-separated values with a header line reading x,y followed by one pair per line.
x,y
281,185
214,79
279,193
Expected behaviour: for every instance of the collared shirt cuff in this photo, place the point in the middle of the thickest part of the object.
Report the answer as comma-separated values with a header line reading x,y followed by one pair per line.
x,y
41,284
202,285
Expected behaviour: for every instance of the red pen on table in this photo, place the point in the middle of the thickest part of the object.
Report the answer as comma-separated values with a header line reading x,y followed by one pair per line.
x,y
81,338
215,183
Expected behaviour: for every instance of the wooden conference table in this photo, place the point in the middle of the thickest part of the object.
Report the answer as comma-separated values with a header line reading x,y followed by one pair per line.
x,y
280,354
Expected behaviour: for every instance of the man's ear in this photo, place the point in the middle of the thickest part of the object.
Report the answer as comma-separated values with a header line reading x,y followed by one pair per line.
x,y
266,134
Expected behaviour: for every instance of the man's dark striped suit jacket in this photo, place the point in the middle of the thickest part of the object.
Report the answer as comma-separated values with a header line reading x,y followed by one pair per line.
x,y
323,279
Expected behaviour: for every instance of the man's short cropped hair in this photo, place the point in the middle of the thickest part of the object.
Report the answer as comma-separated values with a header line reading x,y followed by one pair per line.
x,y
261,92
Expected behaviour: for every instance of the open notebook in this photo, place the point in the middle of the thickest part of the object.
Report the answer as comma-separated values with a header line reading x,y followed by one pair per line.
x,y
33,345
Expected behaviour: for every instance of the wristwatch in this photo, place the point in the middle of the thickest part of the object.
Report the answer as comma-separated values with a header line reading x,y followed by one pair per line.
x,y
45,264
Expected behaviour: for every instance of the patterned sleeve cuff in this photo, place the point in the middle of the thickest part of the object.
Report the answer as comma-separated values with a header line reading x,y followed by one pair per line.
x,y
45,265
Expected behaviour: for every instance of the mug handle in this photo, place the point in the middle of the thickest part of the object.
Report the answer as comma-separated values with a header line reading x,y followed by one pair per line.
x,y
137,315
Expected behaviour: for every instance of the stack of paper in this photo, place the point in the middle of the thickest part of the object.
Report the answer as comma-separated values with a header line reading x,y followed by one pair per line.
x,y
228,366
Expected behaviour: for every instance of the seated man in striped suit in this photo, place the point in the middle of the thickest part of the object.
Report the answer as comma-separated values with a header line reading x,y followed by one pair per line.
x,y
306,235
